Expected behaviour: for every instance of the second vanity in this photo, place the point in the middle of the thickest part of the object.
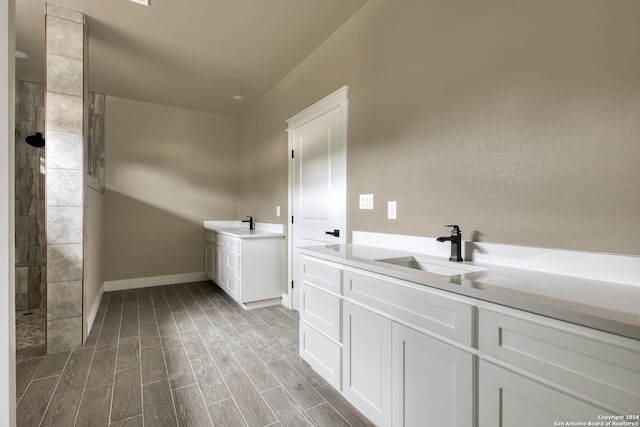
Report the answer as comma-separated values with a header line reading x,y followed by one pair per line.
x,y
414,340
246,264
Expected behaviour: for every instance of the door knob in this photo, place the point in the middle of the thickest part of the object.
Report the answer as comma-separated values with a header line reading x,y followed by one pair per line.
x,y
335,233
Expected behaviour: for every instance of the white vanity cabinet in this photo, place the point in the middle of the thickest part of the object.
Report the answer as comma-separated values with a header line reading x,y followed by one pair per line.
x,y
413,355
542,370
249,270
372,337
397,371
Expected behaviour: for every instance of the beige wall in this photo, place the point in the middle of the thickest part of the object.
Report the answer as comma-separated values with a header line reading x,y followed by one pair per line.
x,y
516,120
93,265
167,169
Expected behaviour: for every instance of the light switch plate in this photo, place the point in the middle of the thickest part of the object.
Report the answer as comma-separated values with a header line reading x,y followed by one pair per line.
x,y
278,210
391,210
142,2
366,201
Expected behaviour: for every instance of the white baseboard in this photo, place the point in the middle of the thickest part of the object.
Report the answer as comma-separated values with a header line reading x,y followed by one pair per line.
x,y
286,301
145,282
260,304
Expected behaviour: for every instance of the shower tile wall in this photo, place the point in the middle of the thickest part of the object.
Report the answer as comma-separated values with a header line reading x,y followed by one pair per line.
x,y
65,51
31,245
95,142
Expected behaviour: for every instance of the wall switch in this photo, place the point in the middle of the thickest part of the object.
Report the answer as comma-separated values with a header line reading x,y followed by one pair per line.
x,y
366,201
277,210
391,210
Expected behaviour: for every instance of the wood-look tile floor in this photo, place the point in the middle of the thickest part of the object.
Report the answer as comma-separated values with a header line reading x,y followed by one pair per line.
x,y
179,355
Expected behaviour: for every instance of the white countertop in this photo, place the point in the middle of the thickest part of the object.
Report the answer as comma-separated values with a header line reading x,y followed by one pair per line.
x,y
607,306
240,230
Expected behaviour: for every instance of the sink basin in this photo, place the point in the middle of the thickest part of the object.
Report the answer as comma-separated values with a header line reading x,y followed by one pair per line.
x,y
443,268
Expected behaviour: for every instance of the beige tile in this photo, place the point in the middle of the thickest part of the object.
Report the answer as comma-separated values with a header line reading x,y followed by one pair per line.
x,y
64,188
22,280
64,334
64,112
64,13
65,75
28,101
64,300
64,225
98,103
64,150
64,263
64,37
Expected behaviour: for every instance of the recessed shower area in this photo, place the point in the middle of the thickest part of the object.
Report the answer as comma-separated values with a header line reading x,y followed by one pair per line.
x,y
31,244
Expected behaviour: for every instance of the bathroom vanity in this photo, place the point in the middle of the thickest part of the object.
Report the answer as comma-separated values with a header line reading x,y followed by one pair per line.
x,y
475,345
247,264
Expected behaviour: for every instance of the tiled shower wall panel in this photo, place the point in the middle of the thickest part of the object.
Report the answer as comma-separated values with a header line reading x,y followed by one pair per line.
x,y
65,52
95,141
31,245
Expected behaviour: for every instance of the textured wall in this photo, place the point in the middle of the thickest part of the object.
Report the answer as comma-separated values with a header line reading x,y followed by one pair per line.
x,y
31,245
167,169
516,120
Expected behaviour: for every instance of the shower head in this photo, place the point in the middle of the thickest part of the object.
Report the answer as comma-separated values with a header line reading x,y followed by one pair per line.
x,y
36,140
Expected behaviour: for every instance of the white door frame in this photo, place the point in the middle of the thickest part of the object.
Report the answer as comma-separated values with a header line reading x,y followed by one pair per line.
x,y
7,223
337,99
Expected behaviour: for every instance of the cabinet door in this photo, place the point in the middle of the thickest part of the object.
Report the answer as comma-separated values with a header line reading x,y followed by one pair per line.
x,y
210,260
218,265
367,362
322,353
230,284
507,399
432,381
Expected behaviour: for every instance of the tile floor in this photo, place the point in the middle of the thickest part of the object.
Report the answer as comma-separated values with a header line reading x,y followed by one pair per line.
x,y
179,355
30,329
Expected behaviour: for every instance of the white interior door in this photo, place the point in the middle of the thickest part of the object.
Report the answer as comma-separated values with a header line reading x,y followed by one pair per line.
x,y
317,179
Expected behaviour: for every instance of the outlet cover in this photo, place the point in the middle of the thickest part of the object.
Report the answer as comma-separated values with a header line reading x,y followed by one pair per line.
x,y
391,210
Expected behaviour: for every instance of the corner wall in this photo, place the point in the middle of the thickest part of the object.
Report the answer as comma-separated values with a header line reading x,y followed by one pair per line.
x,y
516,120
93,269
166,170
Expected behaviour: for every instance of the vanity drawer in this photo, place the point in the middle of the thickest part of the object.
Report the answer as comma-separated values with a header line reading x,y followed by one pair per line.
x,y
210,236
322,353
413,304
321,310
228,242
322,274
595,363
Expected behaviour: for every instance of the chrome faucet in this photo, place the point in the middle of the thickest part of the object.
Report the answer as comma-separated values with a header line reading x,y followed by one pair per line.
x,y
456,243
251,222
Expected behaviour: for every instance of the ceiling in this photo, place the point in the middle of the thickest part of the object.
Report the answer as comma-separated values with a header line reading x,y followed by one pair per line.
x,y
195,54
